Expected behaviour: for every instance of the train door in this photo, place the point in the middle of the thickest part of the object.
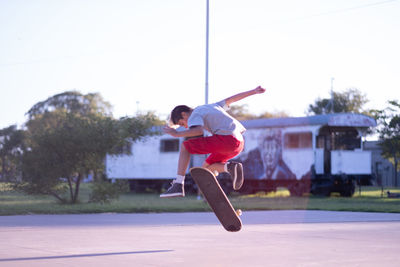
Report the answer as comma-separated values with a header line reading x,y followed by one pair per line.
x,y
324,142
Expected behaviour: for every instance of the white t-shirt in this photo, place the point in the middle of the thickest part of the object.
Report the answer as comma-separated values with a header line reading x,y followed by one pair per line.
x,y
215,119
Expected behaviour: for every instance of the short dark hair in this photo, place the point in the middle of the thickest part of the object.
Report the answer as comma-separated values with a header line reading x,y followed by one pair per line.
x,y
176,113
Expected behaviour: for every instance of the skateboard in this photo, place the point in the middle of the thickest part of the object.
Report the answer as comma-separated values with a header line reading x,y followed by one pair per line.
x,y
217,199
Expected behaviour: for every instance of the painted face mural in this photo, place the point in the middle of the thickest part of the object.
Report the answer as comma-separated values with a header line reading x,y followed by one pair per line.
x,y
271,150
265,160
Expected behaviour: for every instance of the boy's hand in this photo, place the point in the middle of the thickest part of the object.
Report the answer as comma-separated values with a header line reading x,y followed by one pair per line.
x,y
237,97
170,131
259,90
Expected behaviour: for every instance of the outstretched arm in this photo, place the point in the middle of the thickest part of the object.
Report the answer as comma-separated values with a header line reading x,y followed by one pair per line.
x,y
237,97
192,131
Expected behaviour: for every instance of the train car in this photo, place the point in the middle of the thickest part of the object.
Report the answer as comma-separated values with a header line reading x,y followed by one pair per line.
x,y
318,154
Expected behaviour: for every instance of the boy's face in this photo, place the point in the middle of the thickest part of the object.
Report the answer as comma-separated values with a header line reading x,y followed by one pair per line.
x,y
184,121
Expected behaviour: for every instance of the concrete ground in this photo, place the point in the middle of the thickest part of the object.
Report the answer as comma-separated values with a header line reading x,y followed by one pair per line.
x,y
268,238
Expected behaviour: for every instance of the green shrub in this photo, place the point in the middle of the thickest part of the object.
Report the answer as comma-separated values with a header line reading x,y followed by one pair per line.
x,y
104,192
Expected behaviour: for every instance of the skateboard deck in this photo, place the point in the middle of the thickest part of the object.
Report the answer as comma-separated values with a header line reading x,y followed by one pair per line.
x,y
217,199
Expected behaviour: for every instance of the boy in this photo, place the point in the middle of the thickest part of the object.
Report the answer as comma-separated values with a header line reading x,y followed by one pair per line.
x,y
225,143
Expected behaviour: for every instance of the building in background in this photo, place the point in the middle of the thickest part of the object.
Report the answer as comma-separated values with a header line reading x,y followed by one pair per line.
x,y
382,168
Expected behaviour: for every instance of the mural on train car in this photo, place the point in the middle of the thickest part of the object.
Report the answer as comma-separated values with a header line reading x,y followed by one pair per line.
x,y
266,161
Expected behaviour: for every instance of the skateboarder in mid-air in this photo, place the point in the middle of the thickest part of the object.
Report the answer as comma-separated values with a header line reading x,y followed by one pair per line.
x,y
225,143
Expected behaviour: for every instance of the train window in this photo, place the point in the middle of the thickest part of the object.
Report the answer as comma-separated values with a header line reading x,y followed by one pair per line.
x,y
346,140
169,145
338,138
298,140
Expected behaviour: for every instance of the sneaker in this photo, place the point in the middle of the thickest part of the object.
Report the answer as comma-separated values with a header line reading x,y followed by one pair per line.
x,y
235,169
176,190
239,177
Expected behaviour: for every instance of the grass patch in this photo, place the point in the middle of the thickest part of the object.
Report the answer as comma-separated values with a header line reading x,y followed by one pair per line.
x,y
369,199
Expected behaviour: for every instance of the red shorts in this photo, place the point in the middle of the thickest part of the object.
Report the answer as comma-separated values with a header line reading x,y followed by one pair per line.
x,y
220,147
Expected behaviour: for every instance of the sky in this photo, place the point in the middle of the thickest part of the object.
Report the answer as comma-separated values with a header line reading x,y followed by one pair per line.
x,y
149,55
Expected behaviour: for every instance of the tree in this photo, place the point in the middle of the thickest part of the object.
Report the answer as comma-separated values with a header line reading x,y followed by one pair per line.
x,y
69,140
11,146
74,102
351,100
389,133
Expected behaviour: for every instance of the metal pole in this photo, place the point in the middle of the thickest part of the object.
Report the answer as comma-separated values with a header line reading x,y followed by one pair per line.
x,y
332,111
207,34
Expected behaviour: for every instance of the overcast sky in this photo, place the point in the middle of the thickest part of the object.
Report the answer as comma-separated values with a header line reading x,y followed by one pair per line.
x,y
150,54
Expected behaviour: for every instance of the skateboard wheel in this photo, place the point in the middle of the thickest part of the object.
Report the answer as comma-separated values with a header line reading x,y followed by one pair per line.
x,y
239,212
